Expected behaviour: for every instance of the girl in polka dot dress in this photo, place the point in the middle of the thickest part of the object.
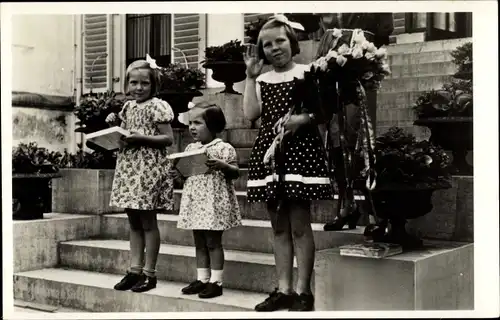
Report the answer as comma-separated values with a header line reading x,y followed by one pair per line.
x,y
303,173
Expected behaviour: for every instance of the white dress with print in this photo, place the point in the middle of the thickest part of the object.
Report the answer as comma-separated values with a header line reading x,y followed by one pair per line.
x,y
209,200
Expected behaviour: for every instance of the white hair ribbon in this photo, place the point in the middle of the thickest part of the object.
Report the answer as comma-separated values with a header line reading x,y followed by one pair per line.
x,y
283,19
183,117
151,61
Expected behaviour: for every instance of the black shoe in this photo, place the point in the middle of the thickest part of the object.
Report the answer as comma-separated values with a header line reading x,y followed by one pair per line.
x,y
130,280
147,283
351,219
194,287
276,301
303,302
211,290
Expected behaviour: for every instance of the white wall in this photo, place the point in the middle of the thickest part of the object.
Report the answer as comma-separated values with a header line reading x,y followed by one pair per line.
x,y
43,54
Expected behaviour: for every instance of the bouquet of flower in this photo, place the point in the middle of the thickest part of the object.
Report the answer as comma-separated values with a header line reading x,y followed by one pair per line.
x,y
353,58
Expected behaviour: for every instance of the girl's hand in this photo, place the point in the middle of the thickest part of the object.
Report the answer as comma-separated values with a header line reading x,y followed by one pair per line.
x,y
175,174
254,66
134,138
111,118
216,164
295,122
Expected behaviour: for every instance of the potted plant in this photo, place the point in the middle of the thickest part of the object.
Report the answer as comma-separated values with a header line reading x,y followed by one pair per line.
x,y
179,85
408,172
33,168
95,107
227,64
448,112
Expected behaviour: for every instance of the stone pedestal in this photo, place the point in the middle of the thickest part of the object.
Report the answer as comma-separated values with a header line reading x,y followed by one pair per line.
x,y
83,191
438,277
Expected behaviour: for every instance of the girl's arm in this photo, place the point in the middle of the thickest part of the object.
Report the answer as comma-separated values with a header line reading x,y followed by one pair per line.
x,y
251,105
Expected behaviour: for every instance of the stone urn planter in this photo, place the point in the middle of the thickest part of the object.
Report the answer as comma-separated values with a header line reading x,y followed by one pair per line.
x,y
31,195
227,72
454,134
394,206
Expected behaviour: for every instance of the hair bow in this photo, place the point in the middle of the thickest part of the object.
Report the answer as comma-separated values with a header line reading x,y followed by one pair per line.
x,y
183,117
283,19
152,62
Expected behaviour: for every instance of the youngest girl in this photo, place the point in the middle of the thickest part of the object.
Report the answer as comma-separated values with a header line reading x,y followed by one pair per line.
x,y
209,205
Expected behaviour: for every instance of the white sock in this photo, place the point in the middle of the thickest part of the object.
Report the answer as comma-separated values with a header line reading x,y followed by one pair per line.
x,y
203,274
216,277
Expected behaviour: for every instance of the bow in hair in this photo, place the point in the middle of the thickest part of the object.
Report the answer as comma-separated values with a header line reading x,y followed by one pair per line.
x,y
152,62
183,117
283,19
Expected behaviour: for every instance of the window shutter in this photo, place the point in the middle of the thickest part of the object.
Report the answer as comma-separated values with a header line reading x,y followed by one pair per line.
x,y
251,17
186,38
96,49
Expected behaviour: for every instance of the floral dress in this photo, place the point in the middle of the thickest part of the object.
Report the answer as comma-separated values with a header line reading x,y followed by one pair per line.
x,y
209,200
306,172
141,177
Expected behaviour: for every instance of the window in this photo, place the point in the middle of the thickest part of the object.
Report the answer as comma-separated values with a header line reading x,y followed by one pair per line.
x,y
149,34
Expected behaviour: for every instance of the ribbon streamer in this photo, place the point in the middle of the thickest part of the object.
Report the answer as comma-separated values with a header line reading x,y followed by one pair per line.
x,y
283,19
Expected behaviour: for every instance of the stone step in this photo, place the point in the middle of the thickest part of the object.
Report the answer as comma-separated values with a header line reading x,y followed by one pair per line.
x,y
426,46
419,58
240,184
33,307
413,84
393,100
243,156
322,211
116,226
250,271
92,291
422,70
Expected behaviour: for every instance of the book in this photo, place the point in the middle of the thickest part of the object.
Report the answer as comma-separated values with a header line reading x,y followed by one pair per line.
x,y
371,250
190,163
108,138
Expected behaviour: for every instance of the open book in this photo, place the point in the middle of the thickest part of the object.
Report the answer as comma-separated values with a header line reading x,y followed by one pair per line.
x,y
108,138
190,163
371,250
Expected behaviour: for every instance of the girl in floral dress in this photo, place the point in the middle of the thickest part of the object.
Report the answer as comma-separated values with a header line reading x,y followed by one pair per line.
x,y
141,184
208,204
303,174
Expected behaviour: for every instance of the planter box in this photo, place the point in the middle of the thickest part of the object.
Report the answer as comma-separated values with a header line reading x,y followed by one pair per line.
x,y
84,191
31,195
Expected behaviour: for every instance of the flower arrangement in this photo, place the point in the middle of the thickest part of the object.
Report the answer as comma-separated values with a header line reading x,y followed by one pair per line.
x,y
353,58
95,107
230,51
176,77
401,160
455,98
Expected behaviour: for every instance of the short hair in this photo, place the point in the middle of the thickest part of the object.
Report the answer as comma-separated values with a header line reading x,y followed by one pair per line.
x,y
290,33
154,76
213,116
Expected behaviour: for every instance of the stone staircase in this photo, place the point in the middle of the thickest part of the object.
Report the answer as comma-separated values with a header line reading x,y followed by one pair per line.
x,y
416,68
73,261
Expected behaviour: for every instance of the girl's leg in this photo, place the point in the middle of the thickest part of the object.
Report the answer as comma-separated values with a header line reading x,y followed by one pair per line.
x,y
134,274
283,249
202,256
152,240
152,237
283,297
300,221
214,245
137,242
202,264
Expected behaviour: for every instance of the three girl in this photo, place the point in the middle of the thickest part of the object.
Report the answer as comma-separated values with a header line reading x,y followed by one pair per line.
x,y
141,184
303,169
209,204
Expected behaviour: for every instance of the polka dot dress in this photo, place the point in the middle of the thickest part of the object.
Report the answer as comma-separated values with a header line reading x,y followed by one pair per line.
x,y
306,174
